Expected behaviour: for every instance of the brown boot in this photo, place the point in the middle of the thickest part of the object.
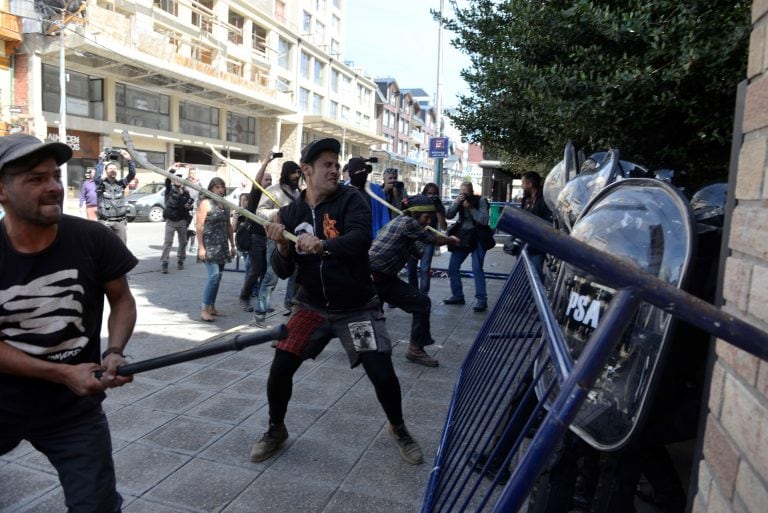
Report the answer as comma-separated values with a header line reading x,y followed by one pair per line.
x,y
417,355
205,314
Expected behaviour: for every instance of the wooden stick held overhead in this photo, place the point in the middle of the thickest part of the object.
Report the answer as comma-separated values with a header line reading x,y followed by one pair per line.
x,y
254,182
143,162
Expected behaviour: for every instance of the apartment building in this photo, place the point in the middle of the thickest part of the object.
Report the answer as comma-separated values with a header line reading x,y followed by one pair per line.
x,y
406,120
245,76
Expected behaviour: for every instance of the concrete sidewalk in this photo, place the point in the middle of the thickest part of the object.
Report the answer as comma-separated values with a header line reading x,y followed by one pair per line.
x,y
182,434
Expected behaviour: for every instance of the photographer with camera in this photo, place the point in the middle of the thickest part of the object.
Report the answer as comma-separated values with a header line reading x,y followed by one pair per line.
x,y
178,205
110,190
473,212
393,190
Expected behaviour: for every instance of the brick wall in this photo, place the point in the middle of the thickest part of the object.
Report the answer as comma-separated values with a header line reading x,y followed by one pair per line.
x,y
733,476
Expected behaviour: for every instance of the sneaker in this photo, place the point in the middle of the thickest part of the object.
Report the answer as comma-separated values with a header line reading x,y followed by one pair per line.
x,y
180,266
419,356
453,300
245,305
164,268
409,448
270,442
480,306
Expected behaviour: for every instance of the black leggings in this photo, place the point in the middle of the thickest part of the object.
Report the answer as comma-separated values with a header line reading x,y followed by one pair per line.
x,y
378,367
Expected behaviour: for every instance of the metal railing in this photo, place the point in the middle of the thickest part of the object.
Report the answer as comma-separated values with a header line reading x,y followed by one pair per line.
x,y
497,419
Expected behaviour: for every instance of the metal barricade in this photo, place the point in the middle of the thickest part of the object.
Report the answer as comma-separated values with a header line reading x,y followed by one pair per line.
x,y
497,419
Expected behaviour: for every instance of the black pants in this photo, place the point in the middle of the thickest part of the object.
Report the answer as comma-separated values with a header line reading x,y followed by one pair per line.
x,y
377,365
80,448
258,264
408,298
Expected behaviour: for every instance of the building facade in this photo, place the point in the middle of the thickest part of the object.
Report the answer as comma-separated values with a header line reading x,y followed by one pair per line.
x,y
246,77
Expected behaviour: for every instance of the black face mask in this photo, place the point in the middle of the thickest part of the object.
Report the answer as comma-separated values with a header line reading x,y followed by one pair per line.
x,y
358,179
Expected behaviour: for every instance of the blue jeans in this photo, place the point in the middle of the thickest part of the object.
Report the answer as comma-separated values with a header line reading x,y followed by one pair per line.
x,y
211,288
418,270
80,448
454,265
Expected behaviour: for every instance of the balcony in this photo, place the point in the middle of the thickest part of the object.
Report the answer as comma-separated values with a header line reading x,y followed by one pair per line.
x,y
141,47
10,30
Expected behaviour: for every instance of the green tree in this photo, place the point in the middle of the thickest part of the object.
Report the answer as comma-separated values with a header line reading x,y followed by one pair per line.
x,y
654,78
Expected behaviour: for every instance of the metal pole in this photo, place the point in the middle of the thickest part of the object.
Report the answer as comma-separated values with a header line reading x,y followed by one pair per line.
x,y
439,98
63,107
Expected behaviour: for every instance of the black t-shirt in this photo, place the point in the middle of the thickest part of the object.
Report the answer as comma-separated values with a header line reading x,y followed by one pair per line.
x,y
51,306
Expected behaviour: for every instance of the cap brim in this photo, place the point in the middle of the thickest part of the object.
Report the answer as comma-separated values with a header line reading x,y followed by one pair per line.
x,y
60,152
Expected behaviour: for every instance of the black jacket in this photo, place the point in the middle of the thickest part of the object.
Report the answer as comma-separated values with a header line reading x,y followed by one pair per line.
x,y
340,279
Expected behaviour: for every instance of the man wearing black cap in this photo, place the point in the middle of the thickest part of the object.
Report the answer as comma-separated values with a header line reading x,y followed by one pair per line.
x,y
335,295
356,172
50,324
388,254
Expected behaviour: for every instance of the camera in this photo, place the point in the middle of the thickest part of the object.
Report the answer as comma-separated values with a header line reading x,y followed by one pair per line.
x,y
277,154
373,160
112,154
399,185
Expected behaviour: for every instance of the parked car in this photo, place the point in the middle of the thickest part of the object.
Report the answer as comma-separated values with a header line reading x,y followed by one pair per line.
x,y
146,206
149,188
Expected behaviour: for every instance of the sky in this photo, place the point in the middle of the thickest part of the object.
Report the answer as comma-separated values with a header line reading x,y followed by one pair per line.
x,y
398,38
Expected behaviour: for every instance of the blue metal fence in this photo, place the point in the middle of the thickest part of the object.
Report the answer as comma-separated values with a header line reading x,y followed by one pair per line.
x,y
497,424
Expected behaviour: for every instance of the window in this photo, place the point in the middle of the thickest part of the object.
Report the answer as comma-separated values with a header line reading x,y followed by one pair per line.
x,y
344,113
139,107
320,5
335,24
241,129
85,95
337,4
169,6
202,54
333,110
284,49
335,47
319,72
259,39
319,33
303,99
235,67
317,104
280,11
334,81
202,15
305,60
306,24
197,119
237,21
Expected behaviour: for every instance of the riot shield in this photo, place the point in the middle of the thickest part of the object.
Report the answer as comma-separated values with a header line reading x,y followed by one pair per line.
x,y
649,223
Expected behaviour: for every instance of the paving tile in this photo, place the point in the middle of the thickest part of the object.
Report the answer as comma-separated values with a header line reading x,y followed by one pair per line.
x,y
350,502
213,378
176,398
224,407
131,422
20,485
202,485
280,494
186,434
140,467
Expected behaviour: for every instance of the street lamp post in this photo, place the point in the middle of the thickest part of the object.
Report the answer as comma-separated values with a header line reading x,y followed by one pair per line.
x,y
439,98
62,104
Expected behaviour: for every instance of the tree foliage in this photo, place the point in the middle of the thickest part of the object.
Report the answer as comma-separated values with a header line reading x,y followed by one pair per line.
x,y
654,78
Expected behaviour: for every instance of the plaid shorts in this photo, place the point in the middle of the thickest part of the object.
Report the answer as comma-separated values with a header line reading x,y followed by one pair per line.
x,y
310,330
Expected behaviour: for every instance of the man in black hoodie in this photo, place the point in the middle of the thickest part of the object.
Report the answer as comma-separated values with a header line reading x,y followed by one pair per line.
x,y
335,295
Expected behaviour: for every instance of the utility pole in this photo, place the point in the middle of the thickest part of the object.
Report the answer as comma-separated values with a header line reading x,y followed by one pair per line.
x,y
439,100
